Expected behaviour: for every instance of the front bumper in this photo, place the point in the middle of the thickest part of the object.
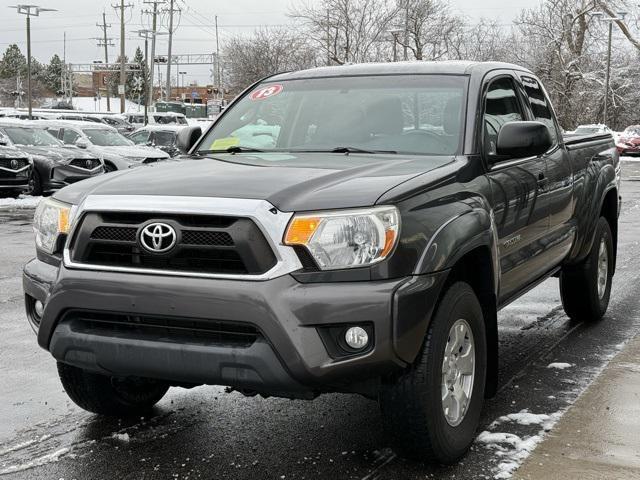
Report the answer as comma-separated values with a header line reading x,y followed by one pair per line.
x,y
289,357
62,175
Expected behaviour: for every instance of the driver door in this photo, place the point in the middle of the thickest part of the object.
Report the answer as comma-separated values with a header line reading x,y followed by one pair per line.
x,y
519,204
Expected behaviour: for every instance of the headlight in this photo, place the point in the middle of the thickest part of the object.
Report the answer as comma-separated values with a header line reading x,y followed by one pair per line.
x,y
52,218
348,238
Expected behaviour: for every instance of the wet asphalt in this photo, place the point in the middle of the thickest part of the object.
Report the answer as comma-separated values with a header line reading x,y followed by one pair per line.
x,y
209,434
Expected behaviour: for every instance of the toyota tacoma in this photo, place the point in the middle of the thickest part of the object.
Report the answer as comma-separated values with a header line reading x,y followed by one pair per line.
x,y
346,229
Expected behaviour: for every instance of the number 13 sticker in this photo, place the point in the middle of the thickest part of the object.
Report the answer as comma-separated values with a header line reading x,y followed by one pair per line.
x,y
266,92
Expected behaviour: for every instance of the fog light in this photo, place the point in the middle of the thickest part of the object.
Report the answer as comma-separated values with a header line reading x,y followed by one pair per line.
x,y
38,308
357,338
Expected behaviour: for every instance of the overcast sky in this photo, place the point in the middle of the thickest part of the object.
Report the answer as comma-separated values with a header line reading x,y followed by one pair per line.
x,y
195,34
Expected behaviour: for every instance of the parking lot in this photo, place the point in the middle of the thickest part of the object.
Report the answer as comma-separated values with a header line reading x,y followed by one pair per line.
x,y
207,433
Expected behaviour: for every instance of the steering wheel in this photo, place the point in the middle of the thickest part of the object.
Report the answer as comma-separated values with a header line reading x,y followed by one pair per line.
x,y
441,143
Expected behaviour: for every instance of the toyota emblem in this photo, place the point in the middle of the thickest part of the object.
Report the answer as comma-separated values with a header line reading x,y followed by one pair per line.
x,y
89,164
158,237
15,164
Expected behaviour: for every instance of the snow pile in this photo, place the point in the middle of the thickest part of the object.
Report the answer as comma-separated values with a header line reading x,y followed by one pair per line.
x,y
123,437
524,417
511,449
22,202
560,365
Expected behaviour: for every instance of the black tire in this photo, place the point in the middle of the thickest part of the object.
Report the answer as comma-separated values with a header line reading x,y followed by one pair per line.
x,y
109,167
110,396
579,284
35,184
413,407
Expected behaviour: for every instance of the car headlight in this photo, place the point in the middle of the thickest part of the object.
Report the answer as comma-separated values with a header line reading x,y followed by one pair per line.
x,y
52,219
347,238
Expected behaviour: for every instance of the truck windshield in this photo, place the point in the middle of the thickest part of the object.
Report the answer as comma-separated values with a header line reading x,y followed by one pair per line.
x,y
408,114
37,137
106,138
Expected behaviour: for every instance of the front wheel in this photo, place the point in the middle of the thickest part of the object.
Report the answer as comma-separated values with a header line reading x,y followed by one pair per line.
x,y
432,411
106,395
585,289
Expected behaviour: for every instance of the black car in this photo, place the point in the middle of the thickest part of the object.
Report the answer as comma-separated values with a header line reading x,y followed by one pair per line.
x,y
351,229
15,171
54,165
163,137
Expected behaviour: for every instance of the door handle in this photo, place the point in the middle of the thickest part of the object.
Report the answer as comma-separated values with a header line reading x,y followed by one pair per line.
x,y
542,180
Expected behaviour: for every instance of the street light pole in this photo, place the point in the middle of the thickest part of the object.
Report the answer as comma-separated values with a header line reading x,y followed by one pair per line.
x,y
607,79
30,10
607,75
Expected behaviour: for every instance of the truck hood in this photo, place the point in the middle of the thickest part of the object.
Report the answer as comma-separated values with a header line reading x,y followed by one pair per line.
x,y
298,182
56,154
137,152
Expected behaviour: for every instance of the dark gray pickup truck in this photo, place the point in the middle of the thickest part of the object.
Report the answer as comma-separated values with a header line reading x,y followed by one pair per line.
x,y
346,229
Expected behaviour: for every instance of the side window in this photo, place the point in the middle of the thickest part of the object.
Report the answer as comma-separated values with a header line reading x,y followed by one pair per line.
x,y
139,137
540,105
501,106
54,131
69,137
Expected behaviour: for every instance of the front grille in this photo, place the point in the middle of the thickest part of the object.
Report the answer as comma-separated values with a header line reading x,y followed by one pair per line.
x,y
18,163
85,163
205,244
169,329
115,234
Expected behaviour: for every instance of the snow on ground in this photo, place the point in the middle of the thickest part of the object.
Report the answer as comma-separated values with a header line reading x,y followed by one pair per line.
x,y
36,462
22,202
560,365
512,449
524,417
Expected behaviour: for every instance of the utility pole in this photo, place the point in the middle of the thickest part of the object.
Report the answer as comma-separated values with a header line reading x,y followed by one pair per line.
x,y
218,58
123,75
171,10
154,29
106,42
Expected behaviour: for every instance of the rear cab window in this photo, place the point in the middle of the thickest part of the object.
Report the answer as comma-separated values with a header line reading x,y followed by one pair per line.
x,y
540,105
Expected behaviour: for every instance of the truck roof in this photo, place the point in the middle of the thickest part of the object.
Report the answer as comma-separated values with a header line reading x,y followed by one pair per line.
x,y
449,67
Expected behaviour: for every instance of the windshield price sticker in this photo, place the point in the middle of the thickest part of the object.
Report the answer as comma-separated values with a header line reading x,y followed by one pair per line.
x,y
266,92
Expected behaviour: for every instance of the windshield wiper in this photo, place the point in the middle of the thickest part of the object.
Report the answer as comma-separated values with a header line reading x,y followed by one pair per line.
x,y
346,150
233,149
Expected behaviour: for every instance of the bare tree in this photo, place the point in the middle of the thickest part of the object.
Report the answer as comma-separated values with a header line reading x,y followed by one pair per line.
x,y
347,31
263,53
430,28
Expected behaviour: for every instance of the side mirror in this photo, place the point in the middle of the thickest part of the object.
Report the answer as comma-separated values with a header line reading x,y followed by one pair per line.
x,y
523,139
187,138
82,143
4,142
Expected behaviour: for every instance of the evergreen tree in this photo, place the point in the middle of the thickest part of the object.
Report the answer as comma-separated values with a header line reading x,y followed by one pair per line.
x,y
13,62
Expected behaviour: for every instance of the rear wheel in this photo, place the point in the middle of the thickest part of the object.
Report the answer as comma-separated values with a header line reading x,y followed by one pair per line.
x,y
106,395
585,289
432,412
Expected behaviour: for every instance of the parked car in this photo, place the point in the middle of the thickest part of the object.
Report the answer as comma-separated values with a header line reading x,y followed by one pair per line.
x,y
117,151
155,118
55,166
112,120
160,136
15,171
629,141
592,129
345,229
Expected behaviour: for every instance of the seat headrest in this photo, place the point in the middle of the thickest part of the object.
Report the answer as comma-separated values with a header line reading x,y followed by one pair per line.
x,y
451,116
